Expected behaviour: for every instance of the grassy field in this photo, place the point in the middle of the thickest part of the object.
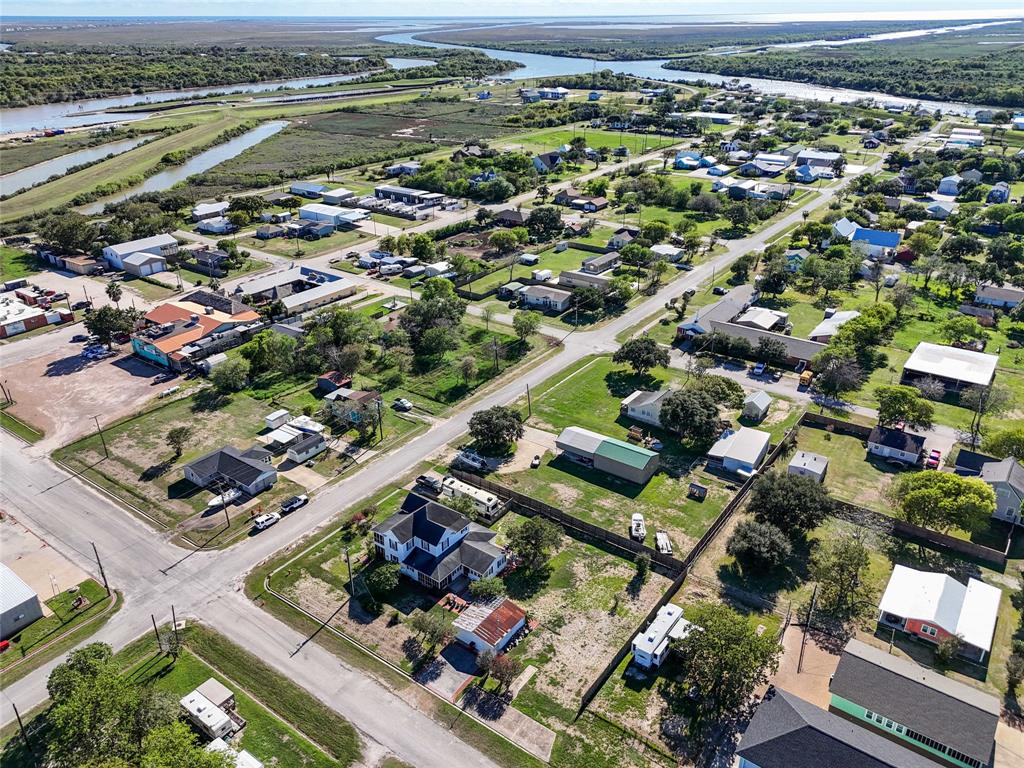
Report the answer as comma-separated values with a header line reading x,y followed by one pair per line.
x,y
282,246
124,166
548,139
53,634
143,470
16,263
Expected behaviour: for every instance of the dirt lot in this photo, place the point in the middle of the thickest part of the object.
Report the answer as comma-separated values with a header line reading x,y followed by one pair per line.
x,y
821,657
38,564
59,392
534,442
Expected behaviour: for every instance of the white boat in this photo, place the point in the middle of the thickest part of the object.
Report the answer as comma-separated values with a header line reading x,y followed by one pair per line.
x,y
637,529
224,499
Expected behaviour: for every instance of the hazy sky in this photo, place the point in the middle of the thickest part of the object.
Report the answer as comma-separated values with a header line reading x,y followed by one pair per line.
x,y
858,9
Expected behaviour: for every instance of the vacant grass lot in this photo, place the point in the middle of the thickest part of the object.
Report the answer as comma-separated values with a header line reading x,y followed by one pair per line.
x,y
853,475
142,469
282,246
547,139
16,263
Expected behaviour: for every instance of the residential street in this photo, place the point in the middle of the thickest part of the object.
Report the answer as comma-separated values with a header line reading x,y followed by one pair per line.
x,y
153,574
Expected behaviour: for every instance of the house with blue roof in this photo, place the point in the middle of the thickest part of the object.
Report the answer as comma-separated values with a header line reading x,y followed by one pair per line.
x,y
807,174
307,189
686,159
875,242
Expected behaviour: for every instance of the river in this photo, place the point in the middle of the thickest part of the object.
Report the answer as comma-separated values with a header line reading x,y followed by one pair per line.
x,y
72,114
540,65
33,174
204,161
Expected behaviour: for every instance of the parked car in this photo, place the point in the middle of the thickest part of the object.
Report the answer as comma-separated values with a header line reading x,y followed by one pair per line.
x,y
265,521
934,460
401,404
718,290
290,505
78,338
536,462
759,369
469,460
81,305
433,483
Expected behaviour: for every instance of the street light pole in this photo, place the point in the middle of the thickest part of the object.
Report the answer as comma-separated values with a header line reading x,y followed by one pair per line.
x,y
99,430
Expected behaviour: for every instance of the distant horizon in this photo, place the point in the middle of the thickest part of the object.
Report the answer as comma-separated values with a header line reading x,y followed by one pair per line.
x,y
597,10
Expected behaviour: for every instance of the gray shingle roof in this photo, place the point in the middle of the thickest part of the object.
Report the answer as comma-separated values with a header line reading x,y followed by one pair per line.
x,y
788,732
241,467
952,713
896,438
1007,471
422,519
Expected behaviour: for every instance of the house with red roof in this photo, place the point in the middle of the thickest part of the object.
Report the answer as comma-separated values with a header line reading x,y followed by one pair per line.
x,y
489,625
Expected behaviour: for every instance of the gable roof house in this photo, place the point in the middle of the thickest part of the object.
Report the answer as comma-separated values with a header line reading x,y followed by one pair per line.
x,y
510,217
545,297
818,158
740,452
157,245
602,262
548,161
874,243
435,545
1006,478
950,185
1004,296
756,405
1000,193
623,237
489,625
808,464
19,603
934,606
249,471
934,715
895,444
644,406
788,732
831,324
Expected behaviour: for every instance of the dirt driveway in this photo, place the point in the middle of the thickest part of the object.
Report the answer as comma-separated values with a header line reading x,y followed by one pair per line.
x,y
60,391
534,442
820,662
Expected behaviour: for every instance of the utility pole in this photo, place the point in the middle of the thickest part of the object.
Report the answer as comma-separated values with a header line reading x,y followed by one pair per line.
x,y
529,402
348,562
174,625
103,574
380,421
21,725
155,630
807,624
99,430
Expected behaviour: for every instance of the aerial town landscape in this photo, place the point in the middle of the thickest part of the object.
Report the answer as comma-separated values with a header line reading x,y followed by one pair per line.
x,y
595,391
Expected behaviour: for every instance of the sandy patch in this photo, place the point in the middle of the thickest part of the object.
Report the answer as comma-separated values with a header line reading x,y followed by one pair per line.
x,y
38,564
534,442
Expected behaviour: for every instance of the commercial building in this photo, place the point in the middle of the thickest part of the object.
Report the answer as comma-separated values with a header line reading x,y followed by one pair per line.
x,y
934,606
607,454
956,368
19,604
952,723
17,317
158,245
407,195
307,189
332,214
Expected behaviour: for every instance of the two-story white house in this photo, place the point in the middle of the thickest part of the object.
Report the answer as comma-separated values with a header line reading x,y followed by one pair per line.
x,y
435,545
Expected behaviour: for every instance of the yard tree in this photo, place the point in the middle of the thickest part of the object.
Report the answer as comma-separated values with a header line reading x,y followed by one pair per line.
x,y
230,376
67,232
435,342
505,670
1007,442
487,588
902,298
463,504
587,297
723,663
178,437
658,269
525,324
383,579
930,388
643,567
793,503
97,713
422,247
175,745
104,323
656,231
758,547
438,308
741,267
837,376
485,660
432,627
774,278
545,222
692,414
114,292
959,329
238,219
1014,223
839,565
770,351
468,369
985,401
504,242
496,428
943,501
899,403
641,354
532,540
946,650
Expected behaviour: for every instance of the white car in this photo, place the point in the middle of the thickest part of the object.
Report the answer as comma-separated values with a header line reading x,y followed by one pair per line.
x,y
290,505
265,521
401,404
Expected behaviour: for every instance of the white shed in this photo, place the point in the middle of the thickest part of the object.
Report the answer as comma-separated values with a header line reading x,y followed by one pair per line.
x,y
809,465
756,405
277,419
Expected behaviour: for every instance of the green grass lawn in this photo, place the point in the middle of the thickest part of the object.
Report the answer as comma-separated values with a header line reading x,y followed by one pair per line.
x,y
64,622
282,246
151,288
853,475
16,263
547,139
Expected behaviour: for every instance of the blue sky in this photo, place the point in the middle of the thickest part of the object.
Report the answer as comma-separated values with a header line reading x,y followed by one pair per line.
x,y
857,9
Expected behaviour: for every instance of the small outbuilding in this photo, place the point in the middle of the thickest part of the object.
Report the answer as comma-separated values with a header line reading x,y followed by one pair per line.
x,y
19,604
756,405
741,451
809,465
607,454
489,625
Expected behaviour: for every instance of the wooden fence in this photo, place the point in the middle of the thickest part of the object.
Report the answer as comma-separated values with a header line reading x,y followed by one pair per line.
x,y
838,426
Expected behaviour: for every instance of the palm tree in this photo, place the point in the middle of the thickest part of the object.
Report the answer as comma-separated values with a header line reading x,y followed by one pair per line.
x,y
114,293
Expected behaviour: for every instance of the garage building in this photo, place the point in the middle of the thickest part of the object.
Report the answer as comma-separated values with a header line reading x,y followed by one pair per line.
x,y
615,457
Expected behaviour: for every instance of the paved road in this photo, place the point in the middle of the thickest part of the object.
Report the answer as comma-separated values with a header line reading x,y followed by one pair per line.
x,y
207,585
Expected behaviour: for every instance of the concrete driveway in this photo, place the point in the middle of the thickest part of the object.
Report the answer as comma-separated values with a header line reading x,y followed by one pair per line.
x,y
450,672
